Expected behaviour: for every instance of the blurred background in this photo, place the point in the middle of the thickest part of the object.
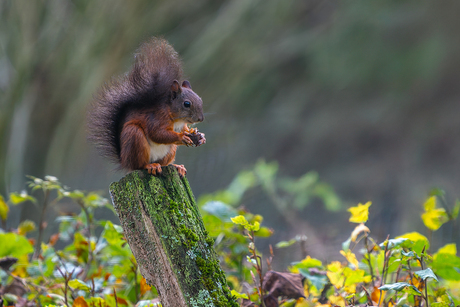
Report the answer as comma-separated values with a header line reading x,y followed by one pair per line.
x,y
364,93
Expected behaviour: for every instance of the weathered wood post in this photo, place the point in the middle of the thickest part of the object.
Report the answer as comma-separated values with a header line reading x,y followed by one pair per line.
x,y
165,232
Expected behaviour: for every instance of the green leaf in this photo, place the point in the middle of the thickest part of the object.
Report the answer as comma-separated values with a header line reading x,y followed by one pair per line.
x,y
4,209
239,220
263,232
353,276
253,227
14,245
437,192
95,200
307,263
219,209
400,286
427,273
456,209
283,244
417,242
327,194
317,280
409,254
392,243
16,198
239,295
346,245
242,182
79,285
266,172
446,266
112,233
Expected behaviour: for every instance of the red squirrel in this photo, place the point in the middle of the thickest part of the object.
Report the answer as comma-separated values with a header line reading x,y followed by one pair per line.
x,y
139,119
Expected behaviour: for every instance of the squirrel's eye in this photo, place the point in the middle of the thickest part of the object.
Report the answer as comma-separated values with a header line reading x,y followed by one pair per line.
x,y
187,104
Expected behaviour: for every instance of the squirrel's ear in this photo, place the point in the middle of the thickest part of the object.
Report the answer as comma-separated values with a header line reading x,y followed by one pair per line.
x,y
175,87
186,84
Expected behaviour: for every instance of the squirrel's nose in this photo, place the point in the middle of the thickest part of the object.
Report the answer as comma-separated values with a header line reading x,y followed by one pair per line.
x,y
201,118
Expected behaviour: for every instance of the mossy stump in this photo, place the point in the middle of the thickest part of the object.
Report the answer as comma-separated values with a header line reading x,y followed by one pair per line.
x,y
165,232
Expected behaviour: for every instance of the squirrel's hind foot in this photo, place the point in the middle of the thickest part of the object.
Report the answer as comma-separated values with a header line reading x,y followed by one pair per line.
x,y
153,168
181,169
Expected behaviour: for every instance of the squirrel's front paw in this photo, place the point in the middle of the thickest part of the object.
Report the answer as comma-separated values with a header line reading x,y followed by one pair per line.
x,y
186,140
153,169
197,138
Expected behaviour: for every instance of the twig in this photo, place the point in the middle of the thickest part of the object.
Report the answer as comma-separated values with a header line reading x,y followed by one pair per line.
x,y
383,269
90,235
40,225
425,280
258,267
369,259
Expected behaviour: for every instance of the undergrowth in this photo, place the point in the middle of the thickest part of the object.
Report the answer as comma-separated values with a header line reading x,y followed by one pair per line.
x,y
88,263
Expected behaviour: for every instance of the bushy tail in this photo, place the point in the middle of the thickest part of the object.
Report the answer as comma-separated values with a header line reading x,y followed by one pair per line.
x,y
155,68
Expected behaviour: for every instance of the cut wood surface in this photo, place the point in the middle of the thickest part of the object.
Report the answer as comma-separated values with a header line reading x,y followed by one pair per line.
x,y
165,232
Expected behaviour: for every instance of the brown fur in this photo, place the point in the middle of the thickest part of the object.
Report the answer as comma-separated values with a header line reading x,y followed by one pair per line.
x,y
142,107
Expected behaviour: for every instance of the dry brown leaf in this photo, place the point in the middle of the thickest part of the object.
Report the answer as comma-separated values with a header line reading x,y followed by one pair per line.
x,y
284,284
80,302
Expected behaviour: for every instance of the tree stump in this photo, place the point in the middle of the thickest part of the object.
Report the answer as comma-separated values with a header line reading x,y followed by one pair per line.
x,y
165,232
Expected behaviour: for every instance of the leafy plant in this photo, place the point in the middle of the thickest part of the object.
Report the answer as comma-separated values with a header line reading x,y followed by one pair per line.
x,y
90,270
95,266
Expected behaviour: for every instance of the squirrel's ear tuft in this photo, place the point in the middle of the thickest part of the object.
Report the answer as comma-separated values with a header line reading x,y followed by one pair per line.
x,y
186,84
175,87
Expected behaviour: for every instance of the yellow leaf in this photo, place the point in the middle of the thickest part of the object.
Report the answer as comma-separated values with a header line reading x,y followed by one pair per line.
x,y
433,219
430,203
144,286
450,249
358,229
360,213
3,208
337,300
334,273
301,302
233,280
25,227
350,257
334,266
20,267
350,288
413,236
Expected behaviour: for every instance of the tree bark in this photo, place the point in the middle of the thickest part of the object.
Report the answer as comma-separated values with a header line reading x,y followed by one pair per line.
x,y
165,232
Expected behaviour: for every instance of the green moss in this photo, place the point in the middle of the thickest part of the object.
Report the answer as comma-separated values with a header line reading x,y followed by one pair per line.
x,y
190,236
170,204
210,241
211,275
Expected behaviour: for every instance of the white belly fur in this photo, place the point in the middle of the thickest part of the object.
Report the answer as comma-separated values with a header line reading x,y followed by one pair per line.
x,y
159,151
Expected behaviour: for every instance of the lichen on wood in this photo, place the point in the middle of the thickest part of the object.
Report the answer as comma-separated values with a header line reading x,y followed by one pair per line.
x,y
165,232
